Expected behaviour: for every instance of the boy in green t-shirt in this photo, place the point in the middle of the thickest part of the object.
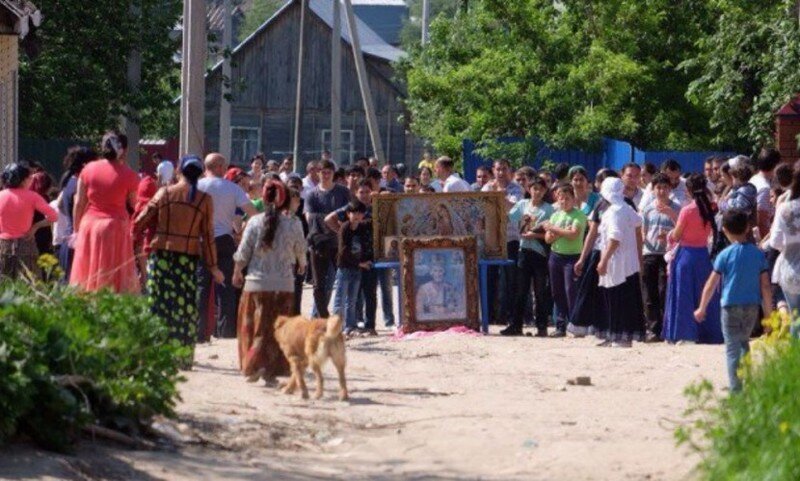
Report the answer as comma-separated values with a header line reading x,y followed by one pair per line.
x,y
564,232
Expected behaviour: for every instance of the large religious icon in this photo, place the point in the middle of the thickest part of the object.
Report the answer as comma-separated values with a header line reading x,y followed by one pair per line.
x,y
479,214
440,283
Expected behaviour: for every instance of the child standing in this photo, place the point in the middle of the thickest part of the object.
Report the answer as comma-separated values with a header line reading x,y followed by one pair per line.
x,y
354,254
564,232
532,259
745,286
658,219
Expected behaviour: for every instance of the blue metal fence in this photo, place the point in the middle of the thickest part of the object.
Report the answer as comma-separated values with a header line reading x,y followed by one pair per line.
x,y
614,155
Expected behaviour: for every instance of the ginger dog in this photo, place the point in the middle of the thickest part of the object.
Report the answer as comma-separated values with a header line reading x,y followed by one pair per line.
x,y
311,342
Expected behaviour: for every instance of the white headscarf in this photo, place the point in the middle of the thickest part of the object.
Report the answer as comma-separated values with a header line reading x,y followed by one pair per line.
x,y
165,171
612,190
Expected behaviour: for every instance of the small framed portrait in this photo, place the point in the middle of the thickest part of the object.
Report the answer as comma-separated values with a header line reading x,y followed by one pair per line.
x,y
391,248
440,283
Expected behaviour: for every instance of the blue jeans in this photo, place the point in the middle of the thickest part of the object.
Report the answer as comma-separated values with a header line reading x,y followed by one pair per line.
x,y
349,281
737,324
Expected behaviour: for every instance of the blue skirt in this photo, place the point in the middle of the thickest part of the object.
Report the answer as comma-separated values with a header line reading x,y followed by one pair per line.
x,y
689,272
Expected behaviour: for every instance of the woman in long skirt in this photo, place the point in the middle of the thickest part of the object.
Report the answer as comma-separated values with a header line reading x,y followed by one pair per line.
x,y
273,249
589,314
689,271
182,219
618,269
103,242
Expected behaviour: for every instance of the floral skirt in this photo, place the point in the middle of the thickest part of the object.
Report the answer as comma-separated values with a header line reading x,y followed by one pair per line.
x,y
258,348
18,256
172,288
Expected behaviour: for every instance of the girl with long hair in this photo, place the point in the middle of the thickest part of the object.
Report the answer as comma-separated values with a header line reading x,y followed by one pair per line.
x,y
182,220
689,270
273,249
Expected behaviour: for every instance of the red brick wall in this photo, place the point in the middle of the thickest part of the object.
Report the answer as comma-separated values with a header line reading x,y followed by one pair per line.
x,y
786,131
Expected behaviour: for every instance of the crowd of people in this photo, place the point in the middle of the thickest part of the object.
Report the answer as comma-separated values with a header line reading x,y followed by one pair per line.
x,y
644,254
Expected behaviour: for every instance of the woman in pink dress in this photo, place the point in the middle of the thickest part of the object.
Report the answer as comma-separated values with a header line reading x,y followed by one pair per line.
x,y
103,243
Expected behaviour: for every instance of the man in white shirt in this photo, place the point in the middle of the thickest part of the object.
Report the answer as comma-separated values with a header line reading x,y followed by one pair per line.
x,y
766,162
450,182
672,169
227,197
311,180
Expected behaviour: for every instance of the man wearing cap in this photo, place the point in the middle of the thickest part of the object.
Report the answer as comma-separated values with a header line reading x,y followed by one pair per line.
x,y
227,197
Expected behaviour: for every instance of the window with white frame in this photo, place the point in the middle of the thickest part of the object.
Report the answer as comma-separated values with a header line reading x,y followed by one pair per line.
x,y
347,144
245,143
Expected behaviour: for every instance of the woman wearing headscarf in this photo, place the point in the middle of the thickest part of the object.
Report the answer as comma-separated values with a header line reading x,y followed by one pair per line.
x,y
589,314
18,203
689,271
181,218
148,186
103,243
618,269
273,249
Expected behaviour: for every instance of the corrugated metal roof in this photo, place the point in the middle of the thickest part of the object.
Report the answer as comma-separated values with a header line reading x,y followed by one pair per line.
x,y
385,19
371,43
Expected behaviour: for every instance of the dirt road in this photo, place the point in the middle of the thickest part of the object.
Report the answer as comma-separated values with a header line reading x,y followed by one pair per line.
x,y
445,407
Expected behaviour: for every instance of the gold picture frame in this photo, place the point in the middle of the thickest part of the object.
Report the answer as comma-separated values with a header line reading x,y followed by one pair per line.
x,y
483,215
440,283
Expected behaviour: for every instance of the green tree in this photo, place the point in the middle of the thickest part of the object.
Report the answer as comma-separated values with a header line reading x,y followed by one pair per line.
x,y
748,68
568,72
76,86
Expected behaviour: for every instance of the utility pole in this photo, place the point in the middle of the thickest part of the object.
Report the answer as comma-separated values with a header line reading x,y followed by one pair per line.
x,y
366,93
225,84
130,124
193,59
426,13
336,82
299,92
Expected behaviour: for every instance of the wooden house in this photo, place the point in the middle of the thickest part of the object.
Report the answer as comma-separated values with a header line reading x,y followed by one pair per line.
x,y
263,79
17,18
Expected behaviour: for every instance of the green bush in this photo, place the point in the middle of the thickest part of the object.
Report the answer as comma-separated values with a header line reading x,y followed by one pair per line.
x,y
68,359
755,434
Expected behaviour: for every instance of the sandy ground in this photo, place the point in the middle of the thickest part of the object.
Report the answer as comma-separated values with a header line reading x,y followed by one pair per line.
x,y
445,407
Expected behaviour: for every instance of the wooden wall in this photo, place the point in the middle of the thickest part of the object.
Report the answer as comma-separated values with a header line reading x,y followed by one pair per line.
x,y
264,76
9,62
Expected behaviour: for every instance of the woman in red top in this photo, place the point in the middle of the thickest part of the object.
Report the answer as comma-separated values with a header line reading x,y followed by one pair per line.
x,y
103,243
689,270
18,203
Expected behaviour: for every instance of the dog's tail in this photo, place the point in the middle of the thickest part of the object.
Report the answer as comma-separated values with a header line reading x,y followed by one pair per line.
x,y
333,326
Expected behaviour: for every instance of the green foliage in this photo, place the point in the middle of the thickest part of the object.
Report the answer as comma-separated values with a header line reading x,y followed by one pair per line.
x,y
257,14
72,359
754,434
76,86
747,68
663,74
411,34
